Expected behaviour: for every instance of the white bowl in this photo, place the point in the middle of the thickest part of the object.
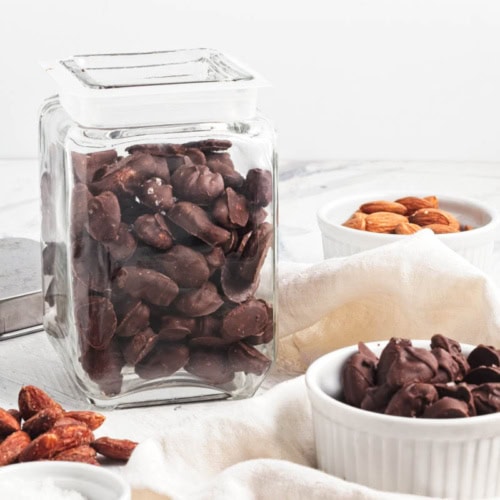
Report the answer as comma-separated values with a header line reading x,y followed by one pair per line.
x,y
475,245
90,481
453,458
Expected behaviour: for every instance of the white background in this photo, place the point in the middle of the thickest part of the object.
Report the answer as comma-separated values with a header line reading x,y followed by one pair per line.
x,y
374,79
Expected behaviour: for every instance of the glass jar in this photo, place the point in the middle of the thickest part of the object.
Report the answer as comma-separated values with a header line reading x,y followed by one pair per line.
x,y
158,206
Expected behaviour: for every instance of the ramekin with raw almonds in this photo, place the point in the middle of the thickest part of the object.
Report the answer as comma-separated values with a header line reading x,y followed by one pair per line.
x,y
405,215
356,223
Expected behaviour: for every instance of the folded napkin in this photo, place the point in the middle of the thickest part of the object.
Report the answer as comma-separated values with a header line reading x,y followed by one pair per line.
x,y
413,288
263,447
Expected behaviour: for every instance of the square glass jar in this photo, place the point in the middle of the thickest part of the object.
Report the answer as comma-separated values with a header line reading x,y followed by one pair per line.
x,y
158,227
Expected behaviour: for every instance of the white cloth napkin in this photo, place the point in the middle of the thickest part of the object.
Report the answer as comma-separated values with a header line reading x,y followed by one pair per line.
x,y
263,448
413,288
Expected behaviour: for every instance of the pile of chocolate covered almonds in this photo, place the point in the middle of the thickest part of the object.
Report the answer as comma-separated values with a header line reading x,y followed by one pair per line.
x,y
168,243
409,381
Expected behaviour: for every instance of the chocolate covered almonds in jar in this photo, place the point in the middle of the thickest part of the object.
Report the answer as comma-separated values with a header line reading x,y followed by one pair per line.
x,y
158,227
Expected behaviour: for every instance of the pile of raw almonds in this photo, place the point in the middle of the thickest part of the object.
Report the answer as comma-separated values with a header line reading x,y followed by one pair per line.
x,y
404,216
42,430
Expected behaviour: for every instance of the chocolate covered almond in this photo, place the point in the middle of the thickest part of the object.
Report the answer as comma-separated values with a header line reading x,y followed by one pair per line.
x,y
157,195
104,216
139,346
197,184
152,230
245,358
188,268
147,285
358,375
199,301
85,166
483,375
195,221
231,210
258,187
412,364
211,364
412,400
129,174
92,265
134,319
104,367
245,320
222,164
175,328
96,322
79,208
241,272
124,245
487,398
447,408
484,355
449,369
164,360
387,357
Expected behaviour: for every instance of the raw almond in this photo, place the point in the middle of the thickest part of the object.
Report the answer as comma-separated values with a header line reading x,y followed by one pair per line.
x,y
357,221
406,228
441,228
412,203
426,216
118,449
383,206
452,221
12,446
433,200
383,222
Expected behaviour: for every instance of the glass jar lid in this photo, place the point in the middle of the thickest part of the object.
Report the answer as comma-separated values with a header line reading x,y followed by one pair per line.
x,y
155,88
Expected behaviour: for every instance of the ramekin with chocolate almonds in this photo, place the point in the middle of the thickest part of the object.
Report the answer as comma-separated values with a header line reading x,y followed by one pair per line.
x,y
393,415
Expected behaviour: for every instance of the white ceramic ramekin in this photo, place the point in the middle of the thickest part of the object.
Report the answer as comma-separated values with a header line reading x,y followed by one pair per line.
x,y
452,458
93,483
476,245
